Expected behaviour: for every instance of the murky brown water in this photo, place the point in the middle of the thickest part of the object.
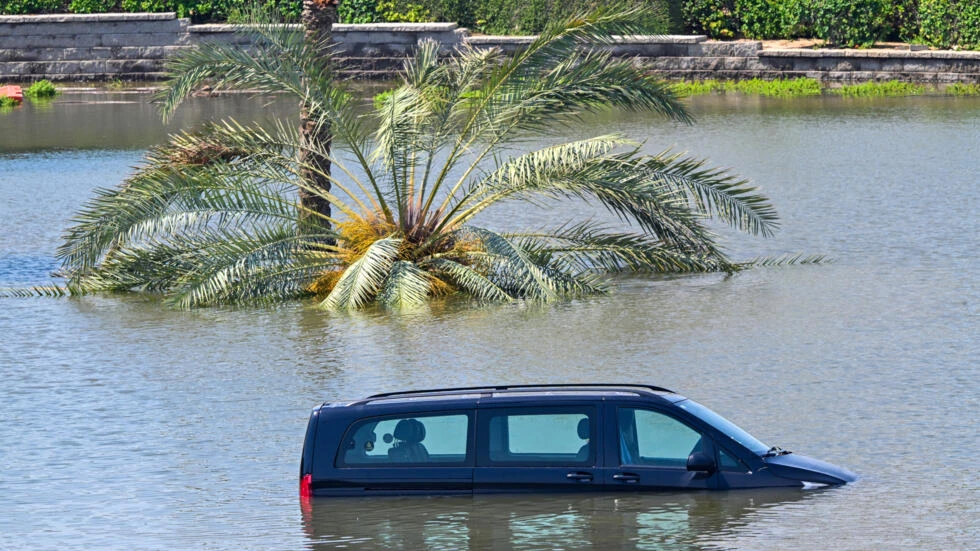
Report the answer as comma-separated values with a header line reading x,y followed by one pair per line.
x,y
125,425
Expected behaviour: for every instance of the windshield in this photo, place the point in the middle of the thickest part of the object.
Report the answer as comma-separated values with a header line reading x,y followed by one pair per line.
x,y
725,426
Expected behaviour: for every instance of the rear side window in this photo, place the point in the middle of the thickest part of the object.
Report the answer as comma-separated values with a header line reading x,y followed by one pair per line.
x,y
406,441
542,436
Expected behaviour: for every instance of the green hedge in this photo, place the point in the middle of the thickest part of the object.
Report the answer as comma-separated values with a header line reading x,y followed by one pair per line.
x,y
853,23
487,16
947,23
940,23
501,16
26,7
198,10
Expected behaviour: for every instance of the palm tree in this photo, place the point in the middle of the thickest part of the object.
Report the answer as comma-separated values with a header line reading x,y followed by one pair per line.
x,y
317,18
211,217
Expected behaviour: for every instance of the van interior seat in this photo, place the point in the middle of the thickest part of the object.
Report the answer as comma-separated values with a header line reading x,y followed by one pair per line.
x,y
583,433
409,447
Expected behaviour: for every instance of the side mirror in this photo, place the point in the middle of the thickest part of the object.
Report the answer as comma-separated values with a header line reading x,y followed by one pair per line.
x,y
701,462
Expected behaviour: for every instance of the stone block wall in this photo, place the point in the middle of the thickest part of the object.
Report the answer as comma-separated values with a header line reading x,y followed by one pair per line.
x,y
86,47
135,46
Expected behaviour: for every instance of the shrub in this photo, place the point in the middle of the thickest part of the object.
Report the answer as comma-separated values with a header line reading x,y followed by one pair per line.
x,y
715,18
459,11
531,16
397,11
24,7
239,11
853,23
93,6
798,18
358,11
762,19
41,89
903,20
7,103
946,23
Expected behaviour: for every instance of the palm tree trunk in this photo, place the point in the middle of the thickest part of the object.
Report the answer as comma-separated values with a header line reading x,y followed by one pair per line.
x,y
317,18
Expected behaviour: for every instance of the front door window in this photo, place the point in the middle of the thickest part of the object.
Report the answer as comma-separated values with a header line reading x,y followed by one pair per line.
x,y
654,439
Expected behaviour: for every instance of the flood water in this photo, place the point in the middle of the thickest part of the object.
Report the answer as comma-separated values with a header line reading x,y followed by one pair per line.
x,y
124,425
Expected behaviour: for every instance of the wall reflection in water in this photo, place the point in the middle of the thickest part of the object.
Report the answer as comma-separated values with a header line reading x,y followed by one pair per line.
x,y
565,521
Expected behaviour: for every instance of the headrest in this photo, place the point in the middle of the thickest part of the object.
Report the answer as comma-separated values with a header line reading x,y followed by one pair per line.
x,y
583,429
410,430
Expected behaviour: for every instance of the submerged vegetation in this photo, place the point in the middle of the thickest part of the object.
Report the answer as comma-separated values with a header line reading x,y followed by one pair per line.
x,y
890,88
962,89
802,87
795,87
42,89
213,217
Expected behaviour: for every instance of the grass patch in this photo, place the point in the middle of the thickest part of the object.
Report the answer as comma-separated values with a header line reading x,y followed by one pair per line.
x,y
801,87
41,89
698,87
780,88
381,97
8,103
961,89
891,88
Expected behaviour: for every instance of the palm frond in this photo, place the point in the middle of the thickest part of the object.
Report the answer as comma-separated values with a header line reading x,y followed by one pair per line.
x,y
407,287
361,281
588,170
715,192
471,281
235,266
550,170
798,259
515,96
34,291
280,59
517,271
593,248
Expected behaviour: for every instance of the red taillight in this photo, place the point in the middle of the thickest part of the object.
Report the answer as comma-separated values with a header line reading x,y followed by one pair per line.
x,y
306,486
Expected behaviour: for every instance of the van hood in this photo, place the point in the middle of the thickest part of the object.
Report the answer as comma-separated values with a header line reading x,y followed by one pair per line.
x,y
806,469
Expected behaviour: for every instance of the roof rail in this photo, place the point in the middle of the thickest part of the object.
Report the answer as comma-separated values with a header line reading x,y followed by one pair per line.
x,y
498,388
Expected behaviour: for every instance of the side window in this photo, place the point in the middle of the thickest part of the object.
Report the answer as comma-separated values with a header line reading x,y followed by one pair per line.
x,y
392,441
730,463
542,437
652,438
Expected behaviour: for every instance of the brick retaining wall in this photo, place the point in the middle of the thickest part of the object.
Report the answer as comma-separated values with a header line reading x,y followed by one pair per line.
x,y
134,47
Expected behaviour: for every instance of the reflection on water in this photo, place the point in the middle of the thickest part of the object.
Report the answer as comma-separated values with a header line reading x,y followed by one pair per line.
x,y
690,520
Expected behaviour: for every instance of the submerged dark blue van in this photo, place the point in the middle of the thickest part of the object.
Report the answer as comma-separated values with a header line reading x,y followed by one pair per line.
x,y
539,438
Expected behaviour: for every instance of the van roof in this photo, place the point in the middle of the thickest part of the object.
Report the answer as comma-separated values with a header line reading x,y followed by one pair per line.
x,y
609,389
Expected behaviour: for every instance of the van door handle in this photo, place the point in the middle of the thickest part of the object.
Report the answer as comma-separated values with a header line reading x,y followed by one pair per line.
x,y
628,478
584,477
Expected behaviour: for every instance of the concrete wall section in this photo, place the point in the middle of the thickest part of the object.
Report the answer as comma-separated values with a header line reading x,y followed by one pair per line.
x,y
136,46
88,47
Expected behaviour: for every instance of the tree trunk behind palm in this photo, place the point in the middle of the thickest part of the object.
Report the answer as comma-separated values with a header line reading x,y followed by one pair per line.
x,y
317,18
